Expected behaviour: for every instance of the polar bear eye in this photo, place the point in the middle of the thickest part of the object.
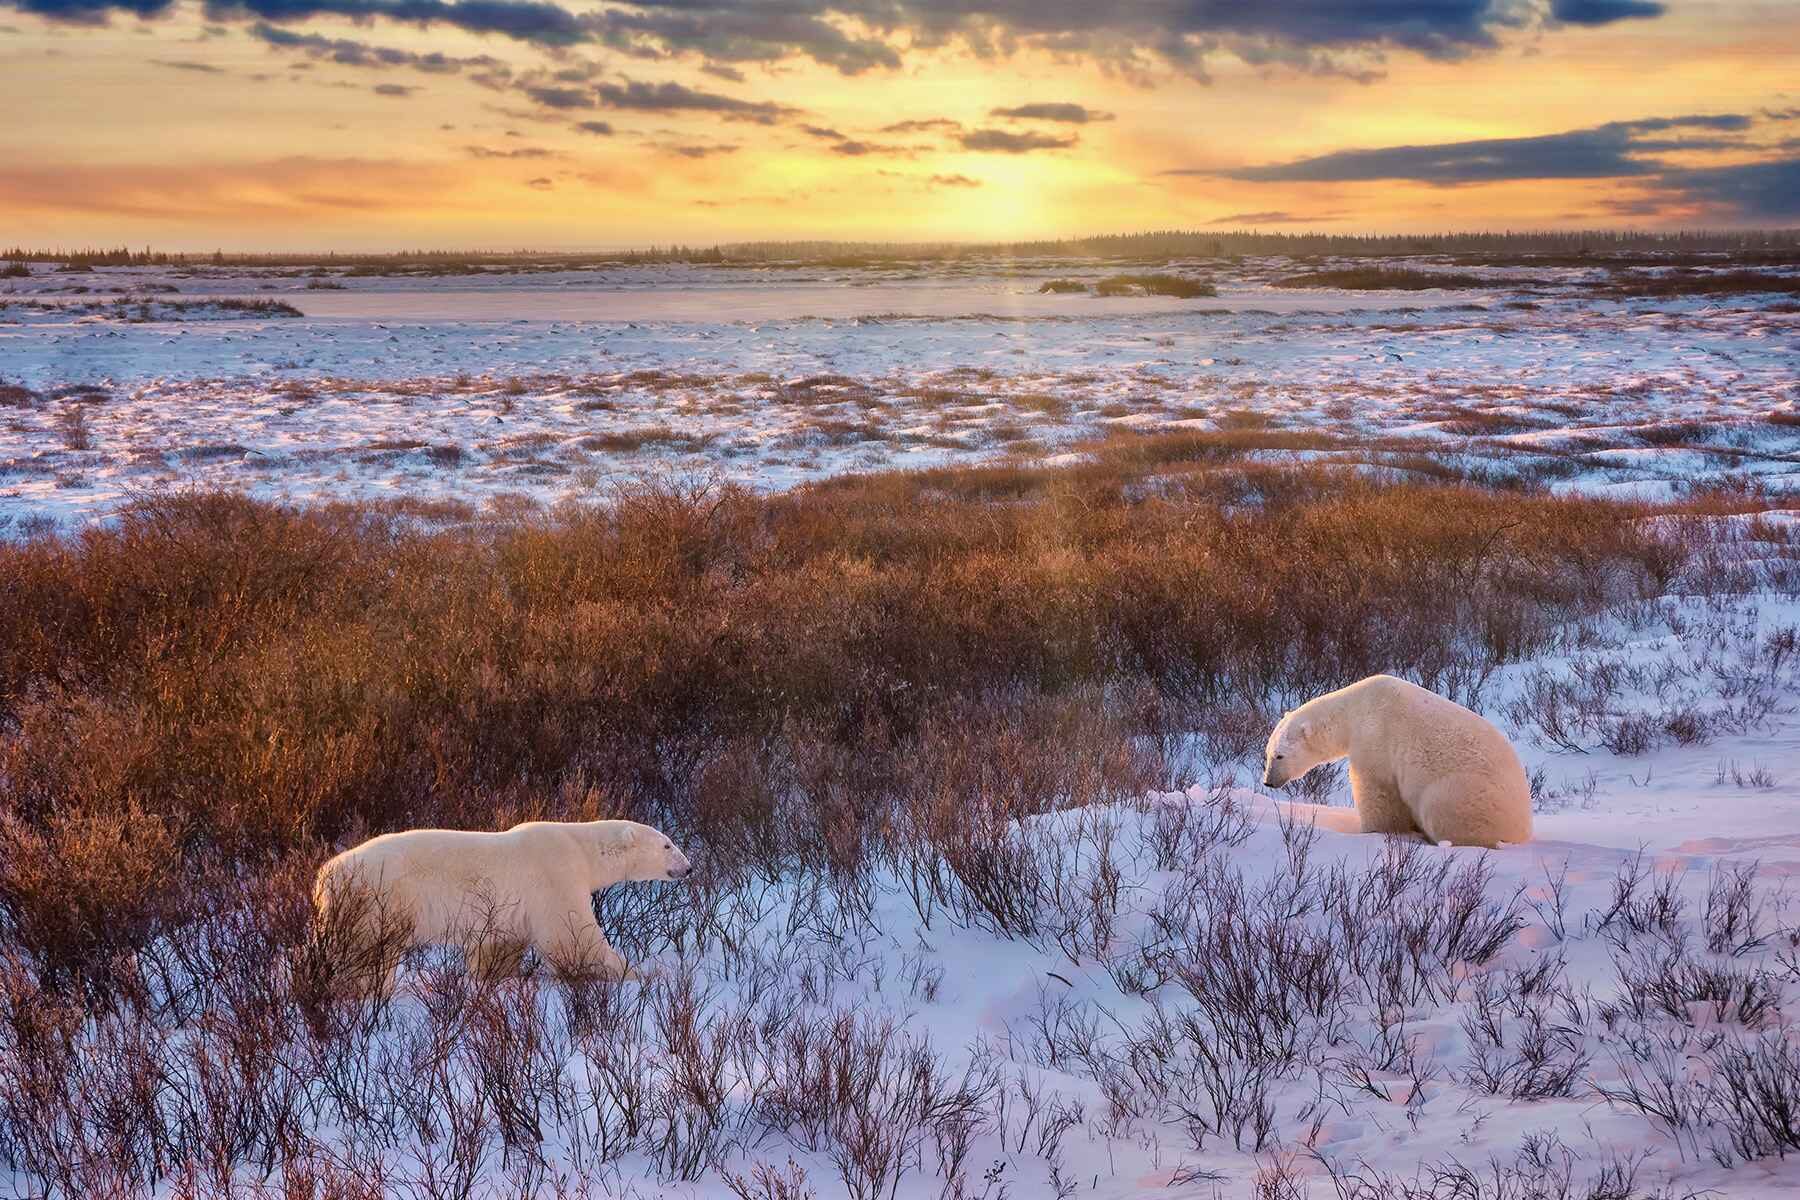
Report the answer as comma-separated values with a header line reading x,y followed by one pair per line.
x,y
1281,756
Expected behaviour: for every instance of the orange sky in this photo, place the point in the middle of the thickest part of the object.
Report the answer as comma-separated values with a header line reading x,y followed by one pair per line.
x,y
189,129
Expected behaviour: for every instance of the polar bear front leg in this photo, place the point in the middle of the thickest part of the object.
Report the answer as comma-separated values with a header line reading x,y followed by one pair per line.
x,y
496,957
1379,805
574,945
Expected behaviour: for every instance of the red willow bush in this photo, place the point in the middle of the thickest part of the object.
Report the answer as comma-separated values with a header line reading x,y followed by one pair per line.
x,y
222,676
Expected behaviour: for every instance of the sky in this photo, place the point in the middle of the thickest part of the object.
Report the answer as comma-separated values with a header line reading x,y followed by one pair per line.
x,y
502,124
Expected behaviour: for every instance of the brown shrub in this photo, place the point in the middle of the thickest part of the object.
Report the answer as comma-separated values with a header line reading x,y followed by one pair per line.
x,y
261,677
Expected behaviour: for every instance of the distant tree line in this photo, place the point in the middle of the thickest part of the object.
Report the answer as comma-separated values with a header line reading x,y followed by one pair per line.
x,y
1159,244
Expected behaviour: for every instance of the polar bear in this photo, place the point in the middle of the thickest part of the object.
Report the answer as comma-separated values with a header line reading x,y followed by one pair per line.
x,y
1418,763
494,894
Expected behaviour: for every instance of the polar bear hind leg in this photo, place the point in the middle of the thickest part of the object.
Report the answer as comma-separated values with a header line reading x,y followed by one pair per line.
x,y
1468,810
1379,805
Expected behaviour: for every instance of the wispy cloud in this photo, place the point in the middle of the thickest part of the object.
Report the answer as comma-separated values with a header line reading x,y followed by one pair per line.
x,y
348,53
1003,141
516,152
1069,114
1275,217
675,97
1615,150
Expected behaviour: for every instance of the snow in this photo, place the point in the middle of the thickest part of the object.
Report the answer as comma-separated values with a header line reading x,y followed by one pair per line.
x,y
937,368
551,385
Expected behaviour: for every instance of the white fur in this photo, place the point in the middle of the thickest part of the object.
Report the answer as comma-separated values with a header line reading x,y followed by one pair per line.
x,y
1418,763
493,894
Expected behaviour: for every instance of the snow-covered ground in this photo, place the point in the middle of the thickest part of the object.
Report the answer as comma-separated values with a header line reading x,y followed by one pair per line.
x,y
548,385
1213,992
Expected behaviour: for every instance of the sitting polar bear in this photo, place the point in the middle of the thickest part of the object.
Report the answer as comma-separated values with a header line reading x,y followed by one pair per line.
x,y
494,894
1418,763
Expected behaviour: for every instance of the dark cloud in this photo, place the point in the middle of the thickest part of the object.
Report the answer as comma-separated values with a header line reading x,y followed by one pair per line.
x,y
1301,33
1764,191
1603,12
1002,141
954,181
91,12
701,151
597,128
542,183
359,54
674,97
725,32
721,71
819,131
1606,151
397,90
1069,114
561,97
524,20
855,36
183,65
1275,217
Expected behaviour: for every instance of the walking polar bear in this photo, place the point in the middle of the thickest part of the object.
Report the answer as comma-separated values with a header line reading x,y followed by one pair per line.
x,y
493,894
1418,763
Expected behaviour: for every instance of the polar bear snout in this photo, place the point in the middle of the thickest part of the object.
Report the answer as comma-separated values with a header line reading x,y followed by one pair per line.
x,y
679,866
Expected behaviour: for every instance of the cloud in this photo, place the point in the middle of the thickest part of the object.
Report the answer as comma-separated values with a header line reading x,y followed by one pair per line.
x,y
1001,141
523,20
1069,114
960,181
597,128
393,89
1767,190
928,125
674,97
856,149
561,97
820,131
1305,34
702,151
542,183
1763,191
721,71
360,54
272,193
725,32
1615,150
183,65
518,152
1275,217
1603,12
1132,37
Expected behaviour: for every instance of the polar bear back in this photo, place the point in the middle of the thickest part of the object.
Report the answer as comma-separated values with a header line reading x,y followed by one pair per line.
x,y
439,881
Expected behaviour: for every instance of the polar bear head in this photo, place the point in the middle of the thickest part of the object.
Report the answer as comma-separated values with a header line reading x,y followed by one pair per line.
x,y
1295,748
634,853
